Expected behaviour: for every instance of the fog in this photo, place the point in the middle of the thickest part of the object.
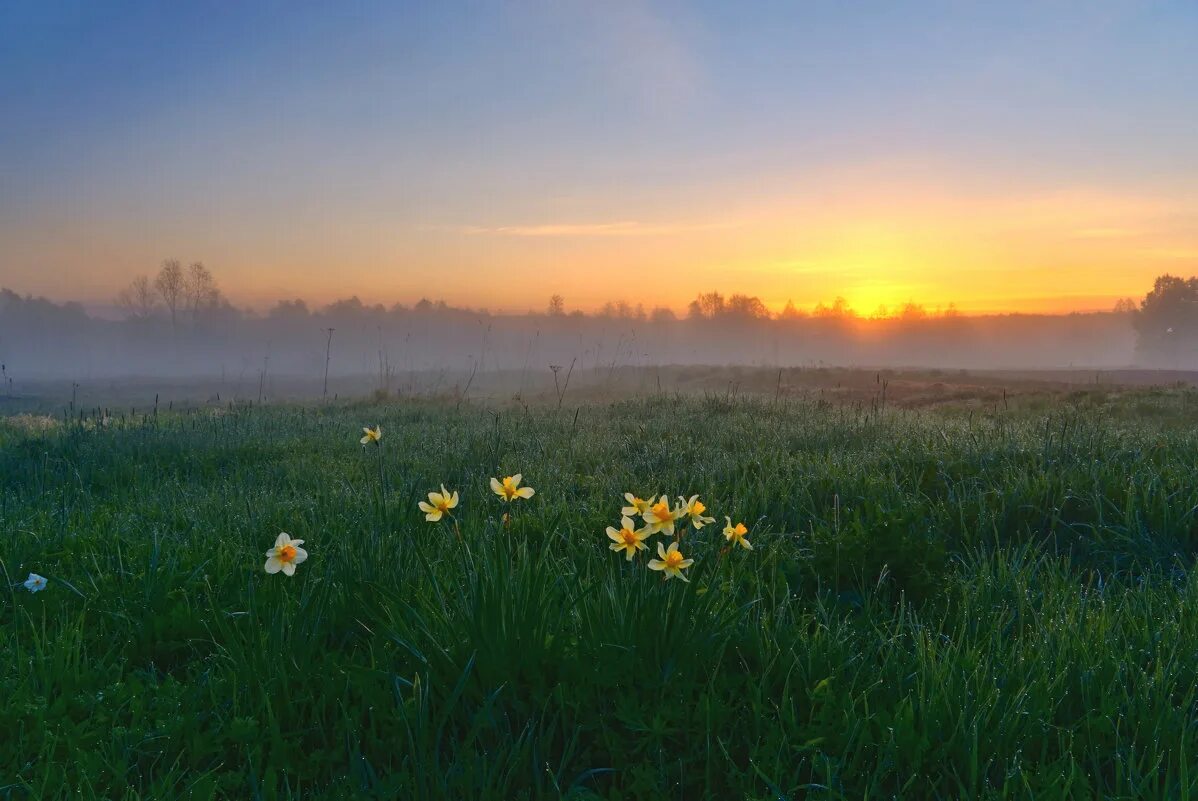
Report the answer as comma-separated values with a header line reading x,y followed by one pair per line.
x,y
45,341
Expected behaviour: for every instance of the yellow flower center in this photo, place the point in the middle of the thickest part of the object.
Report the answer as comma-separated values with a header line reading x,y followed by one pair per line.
x,y
662,512
698,508
673,559
509,489
287,553
628,536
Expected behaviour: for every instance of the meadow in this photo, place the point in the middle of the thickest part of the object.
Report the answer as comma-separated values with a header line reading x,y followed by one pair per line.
x,y
957,601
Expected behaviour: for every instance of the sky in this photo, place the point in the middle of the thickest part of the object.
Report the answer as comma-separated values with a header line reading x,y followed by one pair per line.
x,y
1019,156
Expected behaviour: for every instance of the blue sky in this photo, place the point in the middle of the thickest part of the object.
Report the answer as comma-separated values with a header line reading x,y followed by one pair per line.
x,y
504,150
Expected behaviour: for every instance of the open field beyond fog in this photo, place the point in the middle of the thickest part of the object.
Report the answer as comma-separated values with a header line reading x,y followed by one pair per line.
x,y
878,388
960,586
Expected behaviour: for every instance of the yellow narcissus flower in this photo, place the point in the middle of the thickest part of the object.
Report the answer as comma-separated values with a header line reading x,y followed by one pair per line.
x,y
629,538
510,488
636,506
670,562
372,435
661,517
286,554
439,503
694,509
736,534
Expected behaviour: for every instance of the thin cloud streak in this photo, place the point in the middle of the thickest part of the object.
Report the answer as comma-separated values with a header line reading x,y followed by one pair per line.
x,y
618,228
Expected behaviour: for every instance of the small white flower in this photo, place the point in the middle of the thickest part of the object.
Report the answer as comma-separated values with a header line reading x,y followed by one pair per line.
x,y
35,583
285,555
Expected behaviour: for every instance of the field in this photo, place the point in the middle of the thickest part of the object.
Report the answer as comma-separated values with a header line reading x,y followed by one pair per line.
x,y
950,600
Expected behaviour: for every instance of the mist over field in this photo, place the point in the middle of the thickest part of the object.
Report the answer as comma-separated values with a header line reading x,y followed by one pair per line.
x,y
40,340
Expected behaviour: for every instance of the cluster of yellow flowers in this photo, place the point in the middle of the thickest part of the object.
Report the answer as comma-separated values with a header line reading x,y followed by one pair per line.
x,y
658,516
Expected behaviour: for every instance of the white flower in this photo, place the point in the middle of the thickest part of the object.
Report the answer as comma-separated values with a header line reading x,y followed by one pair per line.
x,y
285,555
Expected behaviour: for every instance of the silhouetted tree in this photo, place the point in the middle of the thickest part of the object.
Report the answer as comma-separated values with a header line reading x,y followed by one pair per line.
x,y
557,306
138,300
199,291
171,286
1167,321
748,307
789,312
839,308
711,304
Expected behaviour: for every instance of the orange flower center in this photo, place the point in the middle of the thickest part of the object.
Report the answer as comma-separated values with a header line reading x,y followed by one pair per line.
x,y
629,537
662,512
442,505
698,508
673,559
287,553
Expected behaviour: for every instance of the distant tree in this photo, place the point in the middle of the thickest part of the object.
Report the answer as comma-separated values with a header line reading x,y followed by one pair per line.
x,y
661,314
839,309
138,300
913,311
880,313
951,311
557,306
789,312
747,307
1166,323
622,310
171,286
199,291
711,304
290,310
1125,306
694,310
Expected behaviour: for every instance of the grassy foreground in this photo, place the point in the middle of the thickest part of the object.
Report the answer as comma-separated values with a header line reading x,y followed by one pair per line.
x,y
939,605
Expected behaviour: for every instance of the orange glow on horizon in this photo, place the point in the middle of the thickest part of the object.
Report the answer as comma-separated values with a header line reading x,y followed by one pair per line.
x,y
873,242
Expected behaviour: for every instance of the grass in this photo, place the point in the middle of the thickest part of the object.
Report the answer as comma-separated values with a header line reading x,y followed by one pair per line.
x,y
940,604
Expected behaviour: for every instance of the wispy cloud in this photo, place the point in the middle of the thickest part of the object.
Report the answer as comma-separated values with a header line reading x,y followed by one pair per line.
x,y
1105,232
1182,254
619,228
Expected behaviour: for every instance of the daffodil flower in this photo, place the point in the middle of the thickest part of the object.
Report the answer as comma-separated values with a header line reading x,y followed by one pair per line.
x,y
661,518
736,534
370,435
439,504
35,583
510,488
629,538
286,554
636,506
694,509
670,562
